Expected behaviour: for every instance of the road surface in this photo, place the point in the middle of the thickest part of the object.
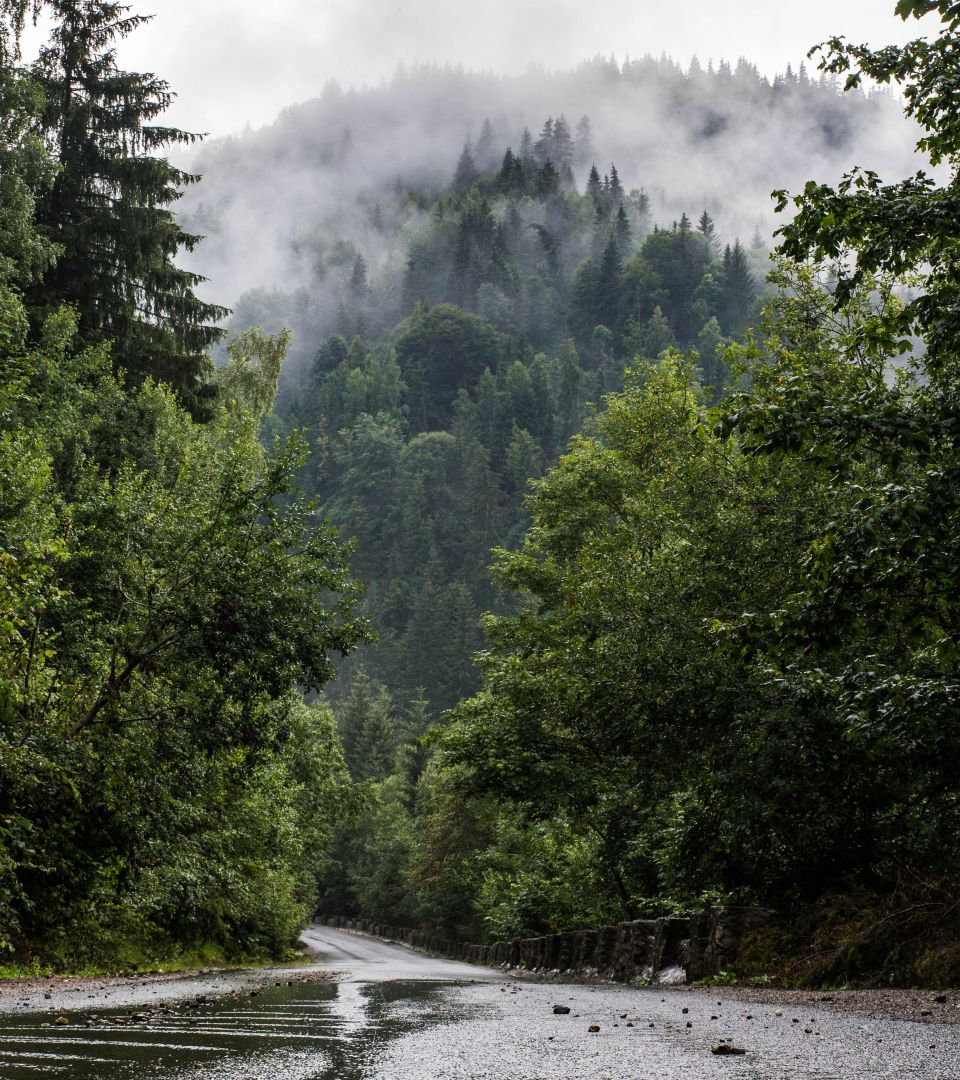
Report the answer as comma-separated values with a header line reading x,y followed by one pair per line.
x,y
395,1015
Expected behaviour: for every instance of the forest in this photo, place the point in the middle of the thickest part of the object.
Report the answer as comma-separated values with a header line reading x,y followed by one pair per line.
x,y
576,560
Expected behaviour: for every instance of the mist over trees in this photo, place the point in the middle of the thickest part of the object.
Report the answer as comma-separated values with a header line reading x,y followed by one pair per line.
x,y
524,300
287,209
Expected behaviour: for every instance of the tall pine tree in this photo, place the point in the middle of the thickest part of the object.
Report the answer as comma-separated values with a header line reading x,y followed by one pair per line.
x,y
108,208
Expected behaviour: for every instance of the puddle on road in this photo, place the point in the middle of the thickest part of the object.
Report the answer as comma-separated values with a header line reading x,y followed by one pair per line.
x,y
309,1031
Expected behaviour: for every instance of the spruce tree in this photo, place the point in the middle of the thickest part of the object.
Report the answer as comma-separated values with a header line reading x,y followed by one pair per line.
x,y
467,173
739,290
543,149
616,187
595,187
358,278
563,146
707,227
622,232
484,152
108,208
609,286
657,335
584,141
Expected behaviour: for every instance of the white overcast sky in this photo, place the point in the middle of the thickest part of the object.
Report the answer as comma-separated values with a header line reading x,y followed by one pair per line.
x,y
237,61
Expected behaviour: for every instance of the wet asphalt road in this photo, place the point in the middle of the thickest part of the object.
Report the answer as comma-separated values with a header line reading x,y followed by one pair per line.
x,y
395,1015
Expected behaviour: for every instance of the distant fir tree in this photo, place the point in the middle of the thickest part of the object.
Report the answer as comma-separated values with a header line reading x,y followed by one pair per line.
x,y
484,152
563,151
543,148
739,290
358,277
108,208
608,286
622,232
657,335
615,187
584,141
512,178
595,188
639,202
706,226
712,366
466,174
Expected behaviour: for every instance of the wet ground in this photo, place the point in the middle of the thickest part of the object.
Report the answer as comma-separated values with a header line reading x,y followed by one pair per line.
x,y
394,1015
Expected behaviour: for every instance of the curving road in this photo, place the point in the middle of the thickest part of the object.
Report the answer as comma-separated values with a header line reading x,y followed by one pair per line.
x,y
393,1014
364,959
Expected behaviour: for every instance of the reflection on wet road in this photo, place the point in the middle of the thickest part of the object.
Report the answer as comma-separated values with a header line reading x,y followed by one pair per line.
x,y
395,1015
315,1030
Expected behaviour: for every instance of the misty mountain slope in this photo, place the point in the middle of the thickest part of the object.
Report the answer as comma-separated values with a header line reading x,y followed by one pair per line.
x,y
359,212
455,379
287,206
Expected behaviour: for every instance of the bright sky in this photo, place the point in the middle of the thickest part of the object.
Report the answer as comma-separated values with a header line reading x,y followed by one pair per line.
x,y
238,61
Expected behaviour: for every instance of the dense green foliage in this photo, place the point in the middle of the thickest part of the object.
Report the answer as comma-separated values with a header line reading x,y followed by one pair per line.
x,y
716,659
729,669
165,598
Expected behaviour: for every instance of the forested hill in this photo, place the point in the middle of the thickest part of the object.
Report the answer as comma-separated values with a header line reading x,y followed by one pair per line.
x,y
522,299
466,261
290,206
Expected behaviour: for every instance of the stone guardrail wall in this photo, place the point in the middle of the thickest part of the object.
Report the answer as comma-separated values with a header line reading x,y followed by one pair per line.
x,y
645,950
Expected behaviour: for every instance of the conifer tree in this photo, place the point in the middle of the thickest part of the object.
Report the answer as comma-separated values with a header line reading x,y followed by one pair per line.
x,y
544,148
595,187
548,180
569,377
584,141
706,226
622,231
358,277
108,208
657,335
712,366
640,201
738,290
616,187
563,147
511,173
484,152
466,174
609,286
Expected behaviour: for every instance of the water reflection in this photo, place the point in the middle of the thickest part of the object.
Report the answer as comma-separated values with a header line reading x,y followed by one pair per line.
x,y
308,1031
